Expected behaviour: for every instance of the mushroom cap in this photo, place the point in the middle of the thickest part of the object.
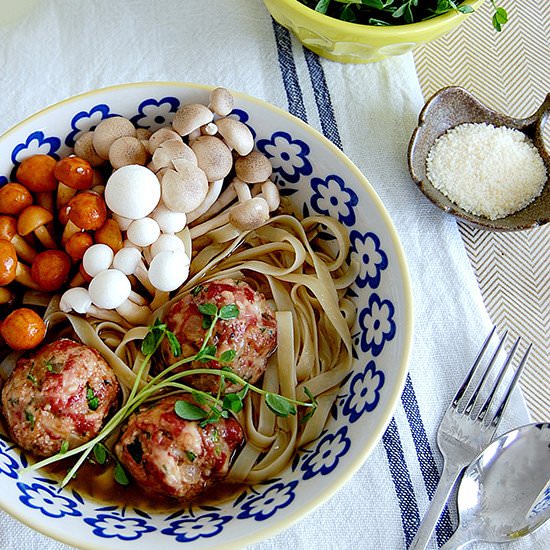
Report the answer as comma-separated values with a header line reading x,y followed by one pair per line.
x,y
77,299
171,150
221,101
167,241
213,157
8,262
169,270
14,197
168,220
127,150
87,210
123,222
270,192
160,136
31,218
143,232
132,191
191,116
109,233
74,172
84,148
250,214
236,134
127,260
109,289
8,227
50,269
184,190
253,168
97,258
36,173
108,130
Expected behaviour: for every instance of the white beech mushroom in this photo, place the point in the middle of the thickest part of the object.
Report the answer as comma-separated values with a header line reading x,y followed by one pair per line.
x,y
143,232
108,130
129,260
132,191
84,148
109,289
166,241
169,269
236,135
97,258
168,220
185,189
213,157
127,150
221,101
191,117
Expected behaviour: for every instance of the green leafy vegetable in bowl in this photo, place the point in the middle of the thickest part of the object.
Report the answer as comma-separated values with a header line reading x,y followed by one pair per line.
x,y
396,12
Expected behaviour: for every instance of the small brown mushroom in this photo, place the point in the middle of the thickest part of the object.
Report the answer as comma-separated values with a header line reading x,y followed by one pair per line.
x,y
84,148
249,214
191,117
253,168
213,157
169,151
109,130
185,189
160,136
221,101
14,197
8,231
34,220
127,150
236,135
212,196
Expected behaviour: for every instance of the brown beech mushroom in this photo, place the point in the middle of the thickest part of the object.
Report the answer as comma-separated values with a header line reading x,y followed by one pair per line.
x,y
14,197
253,168
249,214
109,130
87,210
213,157
185,189
161,135
170,151
212,196
127,150
84,148
191,117
236,135
8,231
221,101
34,220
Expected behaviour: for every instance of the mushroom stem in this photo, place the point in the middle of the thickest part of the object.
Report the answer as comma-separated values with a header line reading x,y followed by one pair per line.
x,y
44,236
70,229
224,200
134,313
23,276
6,295
211,197
24,250
64,194
209,225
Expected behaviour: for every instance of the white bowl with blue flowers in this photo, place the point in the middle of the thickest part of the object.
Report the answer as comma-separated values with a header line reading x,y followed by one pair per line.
x,y
318,178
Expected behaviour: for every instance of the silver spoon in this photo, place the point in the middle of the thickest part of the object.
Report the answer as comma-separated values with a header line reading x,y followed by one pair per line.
x,y
505,492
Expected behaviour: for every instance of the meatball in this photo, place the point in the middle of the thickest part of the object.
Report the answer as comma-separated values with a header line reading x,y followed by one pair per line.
x,y
252,335
61,392
169,456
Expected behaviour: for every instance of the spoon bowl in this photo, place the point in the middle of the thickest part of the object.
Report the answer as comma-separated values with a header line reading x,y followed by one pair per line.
x,y
505,492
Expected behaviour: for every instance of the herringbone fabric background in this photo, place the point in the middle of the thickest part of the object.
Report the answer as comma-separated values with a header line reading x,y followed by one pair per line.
x,y
510,72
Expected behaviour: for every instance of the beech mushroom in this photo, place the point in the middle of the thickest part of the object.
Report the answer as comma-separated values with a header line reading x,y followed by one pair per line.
x,y
253,168
212,196
160,136
143,232
109,130
87,210
97,258
8,231
123,223
190,117
109,289
168,220
84,148
226,197
169,270
130,262
221,101
185,189
132,191
14,197
166,242
75,299
213,157
33,219
250,214
169,151
50,269
236,135
134,310
127,150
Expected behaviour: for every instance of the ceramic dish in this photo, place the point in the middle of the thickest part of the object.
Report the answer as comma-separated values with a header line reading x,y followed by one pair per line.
x,y
452,106
318,178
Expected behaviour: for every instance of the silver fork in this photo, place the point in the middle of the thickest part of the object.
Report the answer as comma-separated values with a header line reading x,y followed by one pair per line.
x,y
465,431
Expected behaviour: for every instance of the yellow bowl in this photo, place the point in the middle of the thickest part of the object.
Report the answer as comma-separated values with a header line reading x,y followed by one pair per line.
x,y
354,43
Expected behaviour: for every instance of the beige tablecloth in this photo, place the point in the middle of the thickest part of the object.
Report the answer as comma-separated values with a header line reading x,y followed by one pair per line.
x,y
510,72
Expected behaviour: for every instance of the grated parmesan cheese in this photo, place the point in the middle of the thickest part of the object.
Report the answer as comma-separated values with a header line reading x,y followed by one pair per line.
x,y
486,170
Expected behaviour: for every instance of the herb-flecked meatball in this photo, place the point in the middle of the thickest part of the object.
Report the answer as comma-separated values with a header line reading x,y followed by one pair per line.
x,y
61,392
252,335
169,456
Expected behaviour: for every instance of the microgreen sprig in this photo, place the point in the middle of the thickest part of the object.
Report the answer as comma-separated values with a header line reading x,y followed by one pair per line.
x,y
209,408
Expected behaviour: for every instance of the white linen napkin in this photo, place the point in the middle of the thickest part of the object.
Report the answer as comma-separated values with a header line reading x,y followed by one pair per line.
x,y
64,47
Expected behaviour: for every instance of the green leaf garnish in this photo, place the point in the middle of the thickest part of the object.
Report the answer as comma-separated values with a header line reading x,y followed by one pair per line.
x,y
100,453
191,456
64,447
228,356
29,417
120,475
175,346
208,309
93,401
188,411
230,311
196,290
233,402
280,405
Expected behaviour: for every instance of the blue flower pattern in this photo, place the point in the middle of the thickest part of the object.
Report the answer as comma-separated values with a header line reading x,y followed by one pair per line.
x,y
193,528
114,526
327,454
332,198
377,324
290,158
278,495
364,392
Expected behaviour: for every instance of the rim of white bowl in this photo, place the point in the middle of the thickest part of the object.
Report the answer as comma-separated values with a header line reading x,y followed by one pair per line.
x,y
278,525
